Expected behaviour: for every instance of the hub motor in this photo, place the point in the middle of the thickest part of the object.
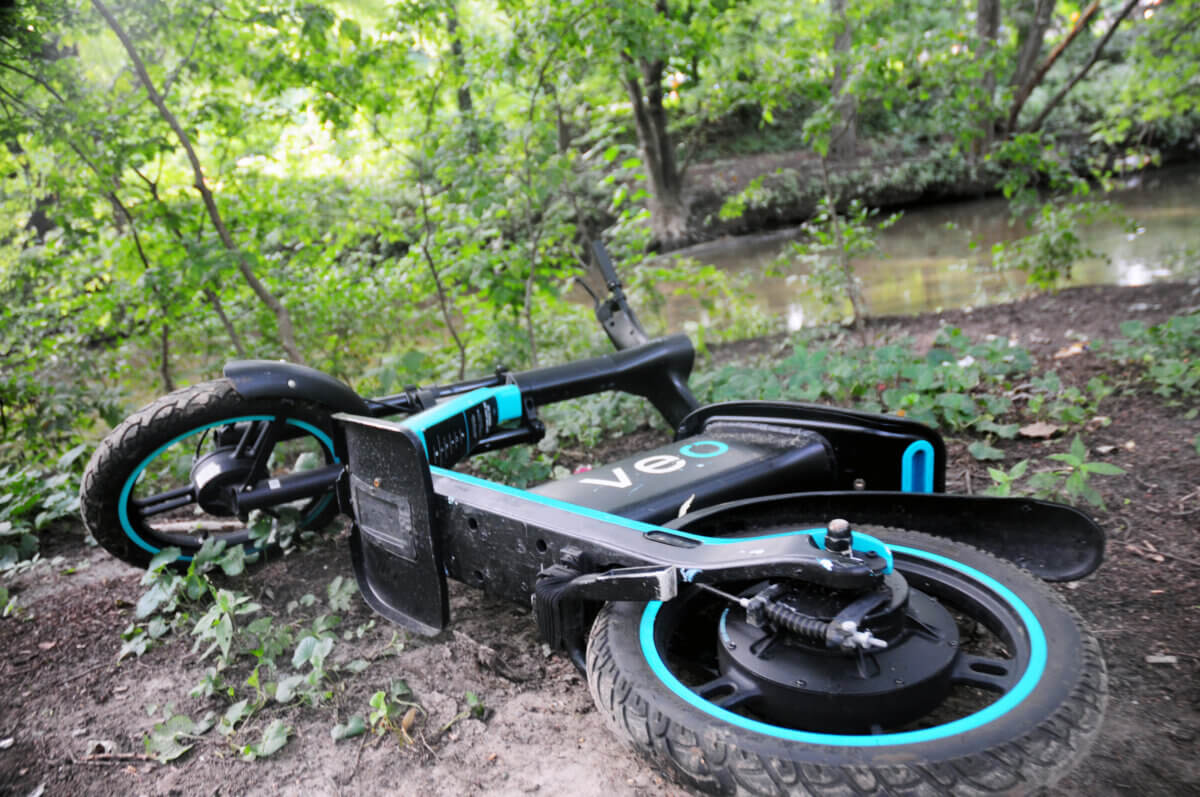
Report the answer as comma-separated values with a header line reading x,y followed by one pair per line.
x,y
797,676
216,476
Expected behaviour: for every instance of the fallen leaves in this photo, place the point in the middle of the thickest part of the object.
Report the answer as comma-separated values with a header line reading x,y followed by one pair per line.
x,y
1040,430
1071,350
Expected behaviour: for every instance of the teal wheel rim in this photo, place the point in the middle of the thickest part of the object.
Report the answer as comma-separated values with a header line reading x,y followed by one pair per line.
x,y
1032,661
130,528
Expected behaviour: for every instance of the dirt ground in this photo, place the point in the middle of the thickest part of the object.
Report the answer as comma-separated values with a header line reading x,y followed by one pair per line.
x,y
72,719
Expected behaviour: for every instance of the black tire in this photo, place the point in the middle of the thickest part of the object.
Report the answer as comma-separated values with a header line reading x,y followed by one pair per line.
x,y
1029,746
184,424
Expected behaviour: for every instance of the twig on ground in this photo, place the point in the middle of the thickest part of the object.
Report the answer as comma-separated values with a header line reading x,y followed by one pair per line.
x,y
80,674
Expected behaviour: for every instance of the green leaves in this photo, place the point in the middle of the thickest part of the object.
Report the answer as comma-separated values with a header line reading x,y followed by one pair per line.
x,y
274,737
173,737
984,452
355,726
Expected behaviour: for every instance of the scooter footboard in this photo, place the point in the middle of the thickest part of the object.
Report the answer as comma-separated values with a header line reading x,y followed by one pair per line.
x,y
396,556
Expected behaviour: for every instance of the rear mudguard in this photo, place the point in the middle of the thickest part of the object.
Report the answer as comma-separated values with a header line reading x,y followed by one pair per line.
x,y
260,379
1052,541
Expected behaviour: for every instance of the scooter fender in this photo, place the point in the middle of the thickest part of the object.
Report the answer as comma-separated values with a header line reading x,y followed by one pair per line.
x,y
1053,541
258,379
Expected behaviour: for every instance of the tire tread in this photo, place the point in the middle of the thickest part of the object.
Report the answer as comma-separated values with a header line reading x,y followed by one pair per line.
x,y
708,759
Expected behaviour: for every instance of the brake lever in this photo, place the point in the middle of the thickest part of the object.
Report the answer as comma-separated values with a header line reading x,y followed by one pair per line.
x,y
614,312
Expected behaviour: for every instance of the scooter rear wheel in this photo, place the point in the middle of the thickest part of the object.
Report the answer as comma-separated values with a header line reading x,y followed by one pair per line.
x,y
161,478
1026,701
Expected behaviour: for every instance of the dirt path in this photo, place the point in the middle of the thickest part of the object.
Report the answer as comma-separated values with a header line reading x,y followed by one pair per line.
x,y
72,720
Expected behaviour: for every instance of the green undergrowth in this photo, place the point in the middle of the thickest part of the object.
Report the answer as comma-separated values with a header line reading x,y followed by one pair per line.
x,y
983,391
256,663
1165,357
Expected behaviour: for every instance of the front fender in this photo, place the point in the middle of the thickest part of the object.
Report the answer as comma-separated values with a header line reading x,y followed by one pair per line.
x,y
257,379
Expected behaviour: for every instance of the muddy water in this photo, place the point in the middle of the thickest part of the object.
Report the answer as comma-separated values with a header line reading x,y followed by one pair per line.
x,y
926,262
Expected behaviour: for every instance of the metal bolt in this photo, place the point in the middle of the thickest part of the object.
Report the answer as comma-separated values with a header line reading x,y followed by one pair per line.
x,y
838,537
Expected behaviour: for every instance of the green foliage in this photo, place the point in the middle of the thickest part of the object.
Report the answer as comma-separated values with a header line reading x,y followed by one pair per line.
x,y
257,660
1077,471
175,735
274,737
830,242
1166,355
1054,244
393,713
1070,481
1005,481
957,385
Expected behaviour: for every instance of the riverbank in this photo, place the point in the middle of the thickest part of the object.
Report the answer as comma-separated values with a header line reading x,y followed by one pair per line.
x,y
775,190
74,720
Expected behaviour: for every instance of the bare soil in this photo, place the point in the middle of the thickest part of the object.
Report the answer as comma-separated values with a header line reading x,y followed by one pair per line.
x,y
72,719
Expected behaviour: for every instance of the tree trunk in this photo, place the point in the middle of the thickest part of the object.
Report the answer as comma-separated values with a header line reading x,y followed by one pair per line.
x,y
282,318
466,105
1023,93
164,358
1031,38
1100,45
843,144
987,28
668,211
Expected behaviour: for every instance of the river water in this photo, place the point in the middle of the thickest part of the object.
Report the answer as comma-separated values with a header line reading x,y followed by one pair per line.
x,y
926,263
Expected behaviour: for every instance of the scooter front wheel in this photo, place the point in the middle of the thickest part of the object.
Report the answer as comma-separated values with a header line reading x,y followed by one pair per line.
x,y
988,686
164,476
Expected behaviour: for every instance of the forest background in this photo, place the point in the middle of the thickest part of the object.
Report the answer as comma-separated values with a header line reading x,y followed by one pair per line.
x,y
404,192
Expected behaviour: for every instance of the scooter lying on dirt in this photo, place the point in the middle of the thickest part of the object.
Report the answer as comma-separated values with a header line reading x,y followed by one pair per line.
x,y
781,600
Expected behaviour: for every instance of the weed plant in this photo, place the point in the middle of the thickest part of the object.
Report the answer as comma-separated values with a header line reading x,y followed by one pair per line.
x,y
1166,356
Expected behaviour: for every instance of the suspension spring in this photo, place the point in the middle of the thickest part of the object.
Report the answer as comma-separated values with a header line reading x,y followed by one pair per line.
x,y
797,622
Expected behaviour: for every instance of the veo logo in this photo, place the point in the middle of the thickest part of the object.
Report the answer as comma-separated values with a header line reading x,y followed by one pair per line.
x,y
659,464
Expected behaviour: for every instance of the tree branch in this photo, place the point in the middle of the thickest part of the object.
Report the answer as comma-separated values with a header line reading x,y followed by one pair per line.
x,y
1027,89
1057,98
283,319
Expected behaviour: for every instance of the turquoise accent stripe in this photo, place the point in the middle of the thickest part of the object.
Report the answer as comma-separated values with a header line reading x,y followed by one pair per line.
x,y
916,468
508,402
123,504
1023,688
690,449
508,408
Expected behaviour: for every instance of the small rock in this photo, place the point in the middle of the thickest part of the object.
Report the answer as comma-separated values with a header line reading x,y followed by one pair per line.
x,y
100,747
7,743
1171,660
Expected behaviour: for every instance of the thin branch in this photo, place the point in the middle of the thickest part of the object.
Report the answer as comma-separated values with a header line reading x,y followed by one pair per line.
x,y
283,319
171,78
1099,48
437,281
40,81
210,293
1027,89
